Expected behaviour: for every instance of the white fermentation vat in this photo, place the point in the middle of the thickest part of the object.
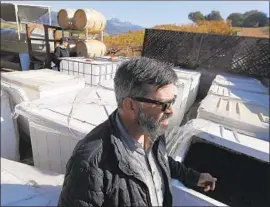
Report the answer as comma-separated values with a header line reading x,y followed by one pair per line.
x,y
229,156
58,123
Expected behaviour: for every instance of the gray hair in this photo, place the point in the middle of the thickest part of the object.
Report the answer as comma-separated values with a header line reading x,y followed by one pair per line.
x,y
133,77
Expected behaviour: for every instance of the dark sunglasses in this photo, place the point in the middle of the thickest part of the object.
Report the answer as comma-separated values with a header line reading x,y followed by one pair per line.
x,y
164,105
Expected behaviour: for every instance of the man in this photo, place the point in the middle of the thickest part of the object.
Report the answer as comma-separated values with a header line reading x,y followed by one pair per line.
x,y
61,51
123,161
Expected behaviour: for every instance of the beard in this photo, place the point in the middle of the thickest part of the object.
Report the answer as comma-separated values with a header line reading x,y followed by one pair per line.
x,y
150,126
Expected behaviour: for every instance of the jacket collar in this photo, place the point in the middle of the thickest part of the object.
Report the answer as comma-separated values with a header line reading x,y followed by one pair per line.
x,y
159,149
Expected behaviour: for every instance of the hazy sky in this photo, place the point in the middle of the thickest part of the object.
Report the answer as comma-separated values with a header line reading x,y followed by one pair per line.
x,y
150,13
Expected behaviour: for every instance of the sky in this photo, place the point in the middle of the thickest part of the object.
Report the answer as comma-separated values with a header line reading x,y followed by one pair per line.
x,y
151,13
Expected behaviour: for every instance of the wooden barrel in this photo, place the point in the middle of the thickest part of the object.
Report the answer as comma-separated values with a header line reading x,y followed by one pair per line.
x,y
64,18
89,19
90,48
72,48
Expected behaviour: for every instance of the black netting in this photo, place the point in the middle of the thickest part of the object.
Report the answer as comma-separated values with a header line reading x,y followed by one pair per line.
x,y
234,54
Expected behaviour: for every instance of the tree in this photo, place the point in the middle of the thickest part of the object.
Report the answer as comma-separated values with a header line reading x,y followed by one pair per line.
x,y
195,16
237,19
214,15
248,13
257,19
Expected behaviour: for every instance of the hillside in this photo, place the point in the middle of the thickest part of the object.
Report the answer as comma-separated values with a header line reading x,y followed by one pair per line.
x,y
131,44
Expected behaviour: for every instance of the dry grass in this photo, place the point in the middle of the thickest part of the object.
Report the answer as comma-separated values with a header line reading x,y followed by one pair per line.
x,y
253,32
266,30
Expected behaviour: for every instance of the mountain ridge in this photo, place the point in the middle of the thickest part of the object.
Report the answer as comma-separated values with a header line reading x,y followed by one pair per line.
x,y
113,27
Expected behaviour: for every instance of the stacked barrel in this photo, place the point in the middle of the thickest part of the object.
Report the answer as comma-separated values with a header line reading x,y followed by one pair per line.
x,y
88,20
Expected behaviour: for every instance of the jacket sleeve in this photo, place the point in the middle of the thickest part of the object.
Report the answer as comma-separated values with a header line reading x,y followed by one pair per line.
x,y
179,171
82,185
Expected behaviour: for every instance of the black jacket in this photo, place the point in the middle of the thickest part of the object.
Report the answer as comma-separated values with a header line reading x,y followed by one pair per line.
x,y
58,53
98,173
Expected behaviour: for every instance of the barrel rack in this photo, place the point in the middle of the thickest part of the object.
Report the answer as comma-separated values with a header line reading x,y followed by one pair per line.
x,y
46,28
75,35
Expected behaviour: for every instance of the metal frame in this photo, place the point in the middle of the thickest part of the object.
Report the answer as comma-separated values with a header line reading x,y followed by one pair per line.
x,y
30,28
18,22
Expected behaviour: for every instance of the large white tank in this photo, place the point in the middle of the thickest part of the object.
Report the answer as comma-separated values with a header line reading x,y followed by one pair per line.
x,y
9,130
34,84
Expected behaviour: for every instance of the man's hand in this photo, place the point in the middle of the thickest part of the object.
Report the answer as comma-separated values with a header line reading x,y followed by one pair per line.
x,y
207,181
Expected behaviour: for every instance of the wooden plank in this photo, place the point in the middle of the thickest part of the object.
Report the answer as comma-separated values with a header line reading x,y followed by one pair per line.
x,y
29,30
48,56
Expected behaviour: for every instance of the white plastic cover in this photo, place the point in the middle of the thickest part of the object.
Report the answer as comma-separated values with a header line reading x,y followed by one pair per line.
x,y
9,130
58,123
257,98
35,84
24,185
245,84
244,117
194,76
40,80
236,78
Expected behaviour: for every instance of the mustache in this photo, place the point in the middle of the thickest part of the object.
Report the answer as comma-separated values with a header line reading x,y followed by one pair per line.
x,y
166,116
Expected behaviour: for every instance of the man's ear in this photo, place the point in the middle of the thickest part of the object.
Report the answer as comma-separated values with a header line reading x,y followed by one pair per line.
x,y
127,104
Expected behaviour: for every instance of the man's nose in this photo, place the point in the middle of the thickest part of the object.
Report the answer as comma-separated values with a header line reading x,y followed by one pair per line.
x,y
169,110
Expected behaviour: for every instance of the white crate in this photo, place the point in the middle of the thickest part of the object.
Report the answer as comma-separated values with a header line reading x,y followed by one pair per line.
x,y
257,98
34,84
222,137
9,130
24,185
246,117
194,76
53,136
93,71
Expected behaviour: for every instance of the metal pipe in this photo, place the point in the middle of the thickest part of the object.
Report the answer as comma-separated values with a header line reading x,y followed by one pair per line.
x,y
50,18
17,21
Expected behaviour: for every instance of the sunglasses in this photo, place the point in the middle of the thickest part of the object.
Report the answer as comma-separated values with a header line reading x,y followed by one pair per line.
x,y
164,105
